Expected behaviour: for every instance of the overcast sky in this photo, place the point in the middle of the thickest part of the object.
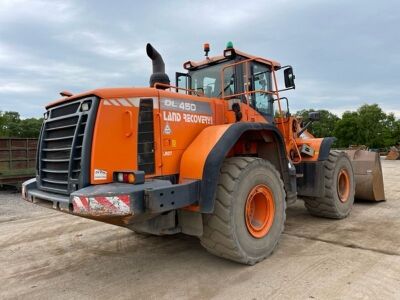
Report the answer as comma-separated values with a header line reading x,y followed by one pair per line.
x,y
344,53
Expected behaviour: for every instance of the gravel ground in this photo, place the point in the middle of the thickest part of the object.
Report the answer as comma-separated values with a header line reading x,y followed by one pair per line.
x,y
45,254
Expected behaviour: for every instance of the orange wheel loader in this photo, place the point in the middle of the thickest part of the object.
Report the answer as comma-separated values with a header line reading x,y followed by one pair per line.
x,y
214,156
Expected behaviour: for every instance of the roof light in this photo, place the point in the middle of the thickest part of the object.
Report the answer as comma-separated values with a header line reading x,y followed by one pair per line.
x,y
206,48
229,53
229,45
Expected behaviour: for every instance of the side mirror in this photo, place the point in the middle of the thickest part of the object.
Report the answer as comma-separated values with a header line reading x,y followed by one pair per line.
x,y
314,116
289,78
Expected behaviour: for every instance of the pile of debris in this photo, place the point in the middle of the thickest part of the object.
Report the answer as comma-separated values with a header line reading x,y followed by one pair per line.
x,y
393,153
357,147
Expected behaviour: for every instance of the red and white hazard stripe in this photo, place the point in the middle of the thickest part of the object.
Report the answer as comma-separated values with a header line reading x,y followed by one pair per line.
x,y
127,102
115,205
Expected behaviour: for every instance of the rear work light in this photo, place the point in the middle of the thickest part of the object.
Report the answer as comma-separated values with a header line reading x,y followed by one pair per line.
x,y
187,65
133,177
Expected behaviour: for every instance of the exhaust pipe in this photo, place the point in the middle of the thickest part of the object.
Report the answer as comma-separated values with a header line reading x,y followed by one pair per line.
x,y
159,74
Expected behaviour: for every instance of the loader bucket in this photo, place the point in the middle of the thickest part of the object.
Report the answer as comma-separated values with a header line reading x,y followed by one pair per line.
x,y
367,175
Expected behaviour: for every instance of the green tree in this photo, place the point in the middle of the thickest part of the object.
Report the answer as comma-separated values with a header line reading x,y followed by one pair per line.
x,y
347,129
11,125
396,133
322,128
369,126
391,131
372,121
30,127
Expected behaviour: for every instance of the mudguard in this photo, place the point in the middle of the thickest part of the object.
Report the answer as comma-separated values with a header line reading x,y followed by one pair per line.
x,y
204,157
311,183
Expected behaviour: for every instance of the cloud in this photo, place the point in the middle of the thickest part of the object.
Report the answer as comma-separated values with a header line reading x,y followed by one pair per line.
x,y
102,45
36,11
344,53
18,88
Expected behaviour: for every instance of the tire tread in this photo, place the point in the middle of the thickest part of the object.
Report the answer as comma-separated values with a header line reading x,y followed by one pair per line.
x,y
325,206
219,237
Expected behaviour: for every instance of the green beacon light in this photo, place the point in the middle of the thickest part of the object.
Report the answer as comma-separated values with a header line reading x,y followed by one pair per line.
x,y
229,52
229,45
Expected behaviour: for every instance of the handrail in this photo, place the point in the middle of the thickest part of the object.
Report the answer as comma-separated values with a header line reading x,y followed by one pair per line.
x,y
177,88
250,92
246,61
247,92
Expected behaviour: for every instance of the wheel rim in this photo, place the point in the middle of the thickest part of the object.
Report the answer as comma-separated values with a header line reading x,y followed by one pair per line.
x,y
343,185
259,211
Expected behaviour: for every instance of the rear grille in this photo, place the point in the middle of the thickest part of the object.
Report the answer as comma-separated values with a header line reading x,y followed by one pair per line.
x,y
65,144
146,160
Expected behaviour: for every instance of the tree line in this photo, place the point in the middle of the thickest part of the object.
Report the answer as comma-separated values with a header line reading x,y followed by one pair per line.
x,y
369,125
11,125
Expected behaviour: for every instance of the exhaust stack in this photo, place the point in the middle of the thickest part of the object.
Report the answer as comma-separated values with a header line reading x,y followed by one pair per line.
x,y
159,74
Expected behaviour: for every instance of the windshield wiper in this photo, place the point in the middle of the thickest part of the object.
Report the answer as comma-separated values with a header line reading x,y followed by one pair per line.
x,y
226,87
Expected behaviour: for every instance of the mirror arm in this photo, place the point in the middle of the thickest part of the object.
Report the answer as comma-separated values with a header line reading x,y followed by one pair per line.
x,y
304,128
291,88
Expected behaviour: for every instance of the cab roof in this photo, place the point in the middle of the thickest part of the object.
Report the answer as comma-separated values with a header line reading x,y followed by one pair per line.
x,y
214,59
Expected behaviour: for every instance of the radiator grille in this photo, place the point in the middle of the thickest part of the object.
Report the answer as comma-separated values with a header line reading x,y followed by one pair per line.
x,y
146,159
64,145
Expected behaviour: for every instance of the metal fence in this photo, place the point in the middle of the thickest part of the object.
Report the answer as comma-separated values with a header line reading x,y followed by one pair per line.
x,y
17,160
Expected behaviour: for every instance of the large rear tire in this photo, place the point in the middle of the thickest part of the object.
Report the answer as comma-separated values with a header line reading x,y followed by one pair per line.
x,y
249,211
338,190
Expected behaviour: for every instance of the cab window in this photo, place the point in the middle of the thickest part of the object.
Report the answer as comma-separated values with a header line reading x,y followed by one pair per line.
x,y
207,81
260,83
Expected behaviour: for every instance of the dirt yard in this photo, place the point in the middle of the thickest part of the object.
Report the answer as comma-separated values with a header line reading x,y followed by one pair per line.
x,y
45,254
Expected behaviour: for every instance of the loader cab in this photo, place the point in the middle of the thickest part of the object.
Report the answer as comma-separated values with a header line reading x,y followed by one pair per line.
x,y
235,75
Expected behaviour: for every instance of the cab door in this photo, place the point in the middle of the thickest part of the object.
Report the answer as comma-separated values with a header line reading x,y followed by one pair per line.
x,y
261,84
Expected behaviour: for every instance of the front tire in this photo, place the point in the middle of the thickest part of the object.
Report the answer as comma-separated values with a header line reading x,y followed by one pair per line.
x,y
249,211
339,189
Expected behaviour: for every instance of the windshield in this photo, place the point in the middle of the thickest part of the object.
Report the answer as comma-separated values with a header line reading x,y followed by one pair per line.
x,y
207,81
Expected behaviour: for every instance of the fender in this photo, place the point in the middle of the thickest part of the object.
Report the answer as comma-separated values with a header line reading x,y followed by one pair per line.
x,y
204,157
312,183
325,148
322,147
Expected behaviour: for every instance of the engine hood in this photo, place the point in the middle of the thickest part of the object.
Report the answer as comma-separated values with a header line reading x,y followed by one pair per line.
x,y
107,93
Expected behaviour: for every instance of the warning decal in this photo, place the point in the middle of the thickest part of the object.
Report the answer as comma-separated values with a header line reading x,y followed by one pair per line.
x,y
167,129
